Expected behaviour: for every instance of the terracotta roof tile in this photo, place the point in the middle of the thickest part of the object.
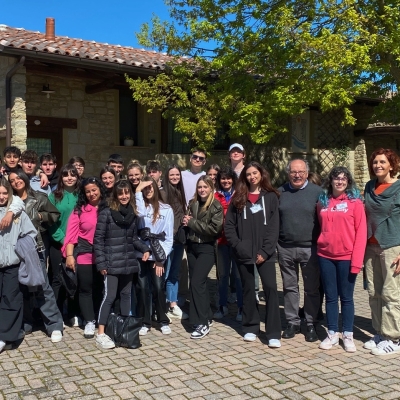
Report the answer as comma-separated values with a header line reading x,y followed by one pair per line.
x,y
103,52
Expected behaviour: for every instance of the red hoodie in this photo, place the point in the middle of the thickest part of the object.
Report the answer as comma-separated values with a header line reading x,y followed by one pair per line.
x,y
343,231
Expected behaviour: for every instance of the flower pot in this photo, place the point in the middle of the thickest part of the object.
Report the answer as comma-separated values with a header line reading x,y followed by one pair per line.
x,y
128,142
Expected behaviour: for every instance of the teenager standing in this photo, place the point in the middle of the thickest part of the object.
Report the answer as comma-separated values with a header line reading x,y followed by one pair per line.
x,y
252,229
204,221
158,218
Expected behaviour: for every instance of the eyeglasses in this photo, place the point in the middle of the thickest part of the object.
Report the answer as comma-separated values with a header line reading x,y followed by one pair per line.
x,y
294,173
78,166
200,158
339,179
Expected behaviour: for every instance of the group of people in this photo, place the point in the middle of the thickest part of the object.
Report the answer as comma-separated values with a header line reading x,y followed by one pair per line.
x,y
124,238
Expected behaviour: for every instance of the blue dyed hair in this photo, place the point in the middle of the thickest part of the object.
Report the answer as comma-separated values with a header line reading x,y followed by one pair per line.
x,y
351,191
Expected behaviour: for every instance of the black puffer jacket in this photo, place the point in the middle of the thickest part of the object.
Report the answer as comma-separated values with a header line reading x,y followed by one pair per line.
x,y
114,245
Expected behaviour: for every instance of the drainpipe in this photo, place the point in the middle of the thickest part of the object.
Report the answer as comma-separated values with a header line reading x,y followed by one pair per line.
x,y
9,75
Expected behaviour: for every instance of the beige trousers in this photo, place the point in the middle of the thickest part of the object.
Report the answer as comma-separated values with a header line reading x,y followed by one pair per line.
x,y
383,289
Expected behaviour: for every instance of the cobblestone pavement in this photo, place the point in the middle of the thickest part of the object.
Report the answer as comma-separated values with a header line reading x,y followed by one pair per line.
x,y
220,366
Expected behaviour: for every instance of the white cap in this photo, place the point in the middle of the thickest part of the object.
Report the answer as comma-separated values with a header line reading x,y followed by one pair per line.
x,y
236,145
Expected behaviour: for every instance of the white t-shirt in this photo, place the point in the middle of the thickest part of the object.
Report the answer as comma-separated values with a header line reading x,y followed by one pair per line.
x,y
189,180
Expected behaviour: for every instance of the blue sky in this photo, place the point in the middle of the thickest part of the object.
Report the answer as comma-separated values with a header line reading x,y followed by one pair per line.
x,y
113,22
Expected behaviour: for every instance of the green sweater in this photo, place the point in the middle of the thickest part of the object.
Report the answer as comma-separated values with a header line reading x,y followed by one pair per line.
x,y
65,206
383,214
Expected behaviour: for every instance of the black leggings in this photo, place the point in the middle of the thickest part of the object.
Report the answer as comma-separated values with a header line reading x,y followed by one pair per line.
x,y
112,285
89,289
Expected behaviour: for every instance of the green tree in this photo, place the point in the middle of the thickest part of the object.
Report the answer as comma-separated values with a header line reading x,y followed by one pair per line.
x,y
250,64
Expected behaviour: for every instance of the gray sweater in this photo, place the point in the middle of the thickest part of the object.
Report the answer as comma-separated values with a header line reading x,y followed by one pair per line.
x,y
19,227
299,225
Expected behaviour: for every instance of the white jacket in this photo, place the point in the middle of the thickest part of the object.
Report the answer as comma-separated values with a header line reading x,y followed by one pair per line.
x,y
164,223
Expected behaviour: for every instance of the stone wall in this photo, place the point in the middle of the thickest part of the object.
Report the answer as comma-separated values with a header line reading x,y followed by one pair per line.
x,y
18,110
97,135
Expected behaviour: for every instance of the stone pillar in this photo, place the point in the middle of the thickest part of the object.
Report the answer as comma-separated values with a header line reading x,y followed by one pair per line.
x,y
18,110
361,174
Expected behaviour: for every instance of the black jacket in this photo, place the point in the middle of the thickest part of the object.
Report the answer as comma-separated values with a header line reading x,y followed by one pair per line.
x,y
251,234
206,225
114,245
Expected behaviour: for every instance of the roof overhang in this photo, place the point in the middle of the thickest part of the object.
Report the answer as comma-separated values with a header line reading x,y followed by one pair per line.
x,y
78,62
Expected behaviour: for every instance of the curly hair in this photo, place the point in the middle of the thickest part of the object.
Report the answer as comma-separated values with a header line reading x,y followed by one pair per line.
x,y
391,156
67,169
82,198
351,191
241,194
226,172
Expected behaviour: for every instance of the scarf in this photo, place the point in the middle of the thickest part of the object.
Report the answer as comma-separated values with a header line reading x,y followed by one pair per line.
x,y
124,216
227,195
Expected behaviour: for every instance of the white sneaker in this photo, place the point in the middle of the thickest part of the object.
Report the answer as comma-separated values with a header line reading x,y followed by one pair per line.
x,y
176,312
222,312
250,337
2,345
373,342
274,343
165,329
56,336
104,341
89,330
239,316
348,342
385,348
330,341
143,331
75,321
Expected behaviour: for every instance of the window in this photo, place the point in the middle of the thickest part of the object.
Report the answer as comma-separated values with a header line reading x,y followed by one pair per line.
x,y
128,126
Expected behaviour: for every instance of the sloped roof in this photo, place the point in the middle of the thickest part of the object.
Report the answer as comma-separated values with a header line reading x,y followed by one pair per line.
x,y
19,38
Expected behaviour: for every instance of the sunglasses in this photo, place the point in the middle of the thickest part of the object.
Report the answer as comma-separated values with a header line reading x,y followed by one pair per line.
x,y
200,158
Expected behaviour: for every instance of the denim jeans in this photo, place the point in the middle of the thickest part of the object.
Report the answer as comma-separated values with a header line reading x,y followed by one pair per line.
x,y
173,263
224,262
338,282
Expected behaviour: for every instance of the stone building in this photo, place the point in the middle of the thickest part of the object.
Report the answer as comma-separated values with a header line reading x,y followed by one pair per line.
x,y
70,97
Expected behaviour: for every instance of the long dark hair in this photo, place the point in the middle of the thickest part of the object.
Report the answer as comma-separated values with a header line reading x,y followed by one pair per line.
x,y
241,194
65,170
82,199
174,193
155,200
119,188
351,191
24,177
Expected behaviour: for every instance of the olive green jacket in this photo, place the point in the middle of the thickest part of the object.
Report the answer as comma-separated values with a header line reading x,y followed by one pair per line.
x,y
205,224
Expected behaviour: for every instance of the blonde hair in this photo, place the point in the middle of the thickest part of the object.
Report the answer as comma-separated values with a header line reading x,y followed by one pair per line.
x,y
208,181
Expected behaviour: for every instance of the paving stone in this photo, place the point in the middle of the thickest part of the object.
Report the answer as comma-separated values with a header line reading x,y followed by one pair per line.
x,y
220,366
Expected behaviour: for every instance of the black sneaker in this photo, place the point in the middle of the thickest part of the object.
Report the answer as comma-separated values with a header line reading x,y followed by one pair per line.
x,y
311,335
200,332
291,331
210,324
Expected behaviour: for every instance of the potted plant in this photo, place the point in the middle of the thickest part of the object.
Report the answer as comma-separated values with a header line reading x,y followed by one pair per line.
x,y
128,141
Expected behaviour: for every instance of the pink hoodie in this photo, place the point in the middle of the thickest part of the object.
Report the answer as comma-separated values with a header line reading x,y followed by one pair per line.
x,y
343,231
